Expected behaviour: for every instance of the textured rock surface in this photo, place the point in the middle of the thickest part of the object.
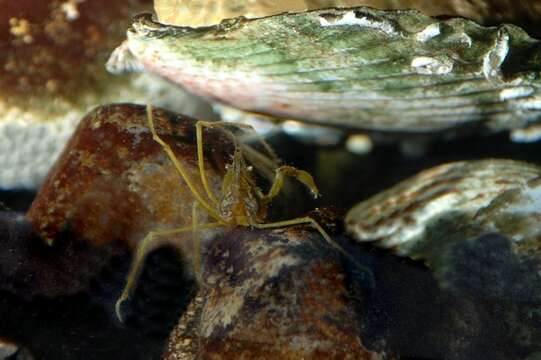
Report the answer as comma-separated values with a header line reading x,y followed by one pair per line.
x,y
273,294
466,199
356,68
113,181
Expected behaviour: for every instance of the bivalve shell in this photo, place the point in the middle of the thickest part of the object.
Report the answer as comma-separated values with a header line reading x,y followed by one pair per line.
x,y
356,68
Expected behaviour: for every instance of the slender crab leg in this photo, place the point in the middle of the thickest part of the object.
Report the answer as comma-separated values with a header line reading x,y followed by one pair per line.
x,y
301,175
152,241
196,240
277,185
182,171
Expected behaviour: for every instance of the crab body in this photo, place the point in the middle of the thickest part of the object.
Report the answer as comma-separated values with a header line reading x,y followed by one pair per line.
x,y
241,200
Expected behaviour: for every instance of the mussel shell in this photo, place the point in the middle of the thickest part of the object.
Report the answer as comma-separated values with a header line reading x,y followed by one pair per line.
x,y
355,68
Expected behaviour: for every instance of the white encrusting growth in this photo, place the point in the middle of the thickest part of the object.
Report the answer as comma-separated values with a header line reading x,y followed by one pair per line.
x,y
431,66
259,123
351,19
530,104
530,202
515,93
312,134
359,144
465,39
529,134
428,32
494,59
70,9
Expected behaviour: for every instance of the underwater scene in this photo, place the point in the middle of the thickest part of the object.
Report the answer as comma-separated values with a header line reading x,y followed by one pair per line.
x,y
255,179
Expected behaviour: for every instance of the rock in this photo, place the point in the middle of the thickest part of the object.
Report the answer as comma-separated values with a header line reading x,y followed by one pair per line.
x,y
7,349
114,182
52,73
274,294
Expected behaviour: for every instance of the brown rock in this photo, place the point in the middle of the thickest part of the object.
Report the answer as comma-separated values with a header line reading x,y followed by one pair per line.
x,y
278,294
114,182
52,72
58,47
111,186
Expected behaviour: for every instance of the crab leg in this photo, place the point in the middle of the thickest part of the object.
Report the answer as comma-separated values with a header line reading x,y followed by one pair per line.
x,y
283,171
183,173
152,241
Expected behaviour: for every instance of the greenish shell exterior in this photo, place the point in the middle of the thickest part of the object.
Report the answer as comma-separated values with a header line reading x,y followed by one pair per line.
x,y
355,68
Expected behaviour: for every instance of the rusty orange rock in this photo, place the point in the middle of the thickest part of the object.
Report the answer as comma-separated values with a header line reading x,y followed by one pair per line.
x,y
114,182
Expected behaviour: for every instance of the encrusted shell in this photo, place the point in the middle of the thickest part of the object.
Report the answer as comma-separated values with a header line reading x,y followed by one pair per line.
x,y
501,196
353,68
